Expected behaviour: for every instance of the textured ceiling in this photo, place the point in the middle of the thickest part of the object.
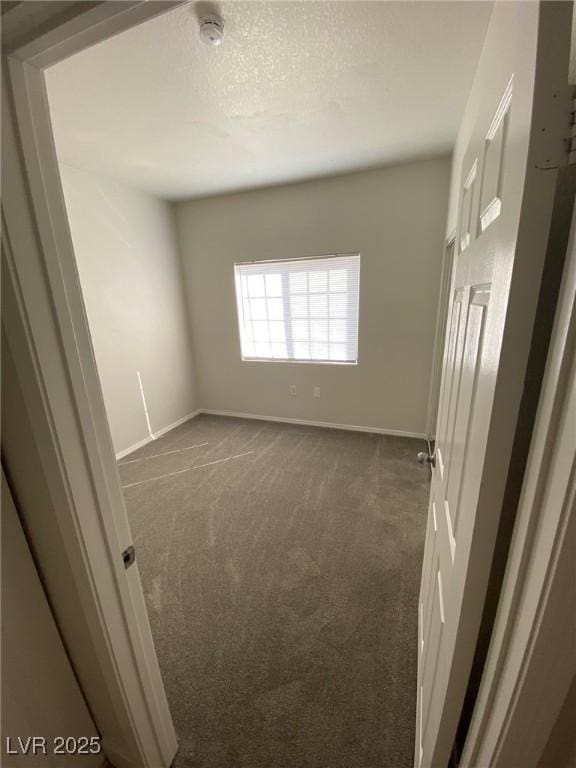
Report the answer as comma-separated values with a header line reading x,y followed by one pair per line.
x,y
296,90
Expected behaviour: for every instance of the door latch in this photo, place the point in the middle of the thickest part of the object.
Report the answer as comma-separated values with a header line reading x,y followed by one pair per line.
x,y
128,556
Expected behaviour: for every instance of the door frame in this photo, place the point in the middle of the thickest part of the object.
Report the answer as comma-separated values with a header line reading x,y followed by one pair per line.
x,y
47,334
54,353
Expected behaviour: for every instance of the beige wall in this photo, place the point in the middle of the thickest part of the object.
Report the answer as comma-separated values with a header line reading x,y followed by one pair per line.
x,y
127,257
396,219
23,443
40,693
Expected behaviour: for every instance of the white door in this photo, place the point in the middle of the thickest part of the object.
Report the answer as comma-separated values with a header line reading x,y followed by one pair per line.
x,y
510,139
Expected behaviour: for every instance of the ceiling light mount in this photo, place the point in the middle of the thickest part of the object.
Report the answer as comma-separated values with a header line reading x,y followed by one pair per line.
x,y
212,29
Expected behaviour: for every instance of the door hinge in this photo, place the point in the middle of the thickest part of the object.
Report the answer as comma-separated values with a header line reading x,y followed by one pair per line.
x,y
572,135
128,556
555,138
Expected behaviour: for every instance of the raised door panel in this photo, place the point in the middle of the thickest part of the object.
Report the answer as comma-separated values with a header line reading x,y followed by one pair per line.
x,y
467,218
448,379
472,354
432,663
430,557
493,163
450,406
425,613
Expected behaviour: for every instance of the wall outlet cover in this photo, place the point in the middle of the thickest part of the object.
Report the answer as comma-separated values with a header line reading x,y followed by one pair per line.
x,y
316,391
292,389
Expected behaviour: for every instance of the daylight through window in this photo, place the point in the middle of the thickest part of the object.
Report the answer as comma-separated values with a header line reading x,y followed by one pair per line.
x,y
300,309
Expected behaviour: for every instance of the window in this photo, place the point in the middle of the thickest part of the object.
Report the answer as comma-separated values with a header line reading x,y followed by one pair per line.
x,y
299,309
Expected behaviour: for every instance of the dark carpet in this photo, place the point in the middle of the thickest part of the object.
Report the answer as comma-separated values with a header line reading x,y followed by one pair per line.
x,y
282,588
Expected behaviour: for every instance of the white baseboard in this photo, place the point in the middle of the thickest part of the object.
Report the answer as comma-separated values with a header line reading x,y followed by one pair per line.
x,y
157,434
310,423
132,448
259,417
175,424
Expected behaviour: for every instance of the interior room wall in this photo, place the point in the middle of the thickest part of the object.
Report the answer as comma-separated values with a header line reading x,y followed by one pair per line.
x,y
40,693
131,279
396,218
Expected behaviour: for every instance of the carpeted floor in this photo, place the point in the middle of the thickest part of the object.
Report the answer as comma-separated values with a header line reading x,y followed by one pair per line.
x,y
281,576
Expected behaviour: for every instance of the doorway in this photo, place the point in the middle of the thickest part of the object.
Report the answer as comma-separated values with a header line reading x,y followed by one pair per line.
x,y
83,477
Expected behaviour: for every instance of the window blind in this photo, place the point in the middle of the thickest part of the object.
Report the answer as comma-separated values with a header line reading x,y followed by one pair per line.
x,y
299,309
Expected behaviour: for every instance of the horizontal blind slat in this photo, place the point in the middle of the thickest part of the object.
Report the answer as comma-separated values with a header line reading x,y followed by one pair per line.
x,y
299,309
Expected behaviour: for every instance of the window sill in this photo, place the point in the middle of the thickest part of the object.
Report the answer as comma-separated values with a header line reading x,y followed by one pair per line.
x,y
298,362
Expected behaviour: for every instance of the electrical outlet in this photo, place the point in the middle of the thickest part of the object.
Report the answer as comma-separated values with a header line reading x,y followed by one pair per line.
x,y
292,389
316,391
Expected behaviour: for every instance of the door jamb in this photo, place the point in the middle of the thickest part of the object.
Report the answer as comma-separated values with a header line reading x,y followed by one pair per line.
x,y
46,330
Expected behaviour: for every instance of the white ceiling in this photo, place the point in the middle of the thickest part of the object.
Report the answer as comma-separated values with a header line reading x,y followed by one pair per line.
x,y
296,90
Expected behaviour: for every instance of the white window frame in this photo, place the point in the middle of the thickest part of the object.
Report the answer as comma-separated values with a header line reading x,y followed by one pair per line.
x,y
239,315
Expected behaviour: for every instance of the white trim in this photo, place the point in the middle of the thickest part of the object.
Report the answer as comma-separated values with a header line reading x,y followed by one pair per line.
x,y
334,255
282,419
505,102
490,213
44,319
145,406
134,447
345,363
311,423
159,432
89,27
471,175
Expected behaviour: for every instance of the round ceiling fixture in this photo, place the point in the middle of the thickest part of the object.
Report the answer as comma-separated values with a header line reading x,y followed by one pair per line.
x,y
212,29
